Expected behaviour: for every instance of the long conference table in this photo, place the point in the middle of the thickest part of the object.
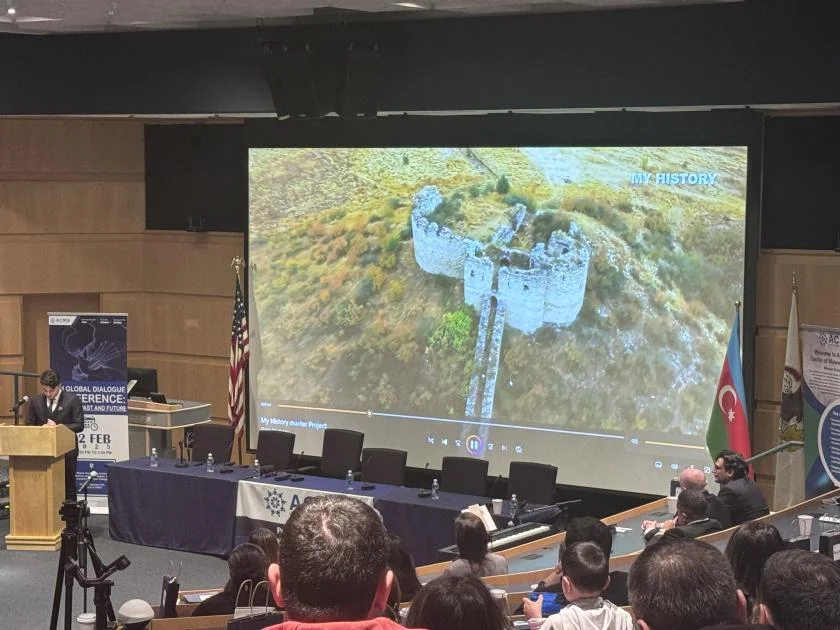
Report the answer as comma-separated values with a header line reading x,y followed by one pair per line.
x,y
189,509
529,563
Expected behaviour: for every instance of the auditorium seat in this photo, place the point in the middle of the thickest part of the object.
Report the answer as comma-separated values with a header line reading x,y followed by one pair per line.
x,y
464,475
340,452
532,482
275,448
384,465
212,438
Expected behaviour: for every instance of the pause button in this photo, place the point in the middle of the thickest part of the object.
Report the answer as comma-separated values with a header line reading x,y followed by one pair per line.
x,y
474,445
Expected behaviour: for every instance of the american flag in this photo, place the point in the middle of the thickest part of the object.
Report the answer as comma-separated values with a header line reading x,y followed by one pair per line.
x,y
239,355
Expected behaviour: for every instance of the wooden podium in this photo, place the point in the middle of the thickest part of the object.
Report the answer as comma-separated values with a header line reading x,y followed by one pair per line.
x,y
36,484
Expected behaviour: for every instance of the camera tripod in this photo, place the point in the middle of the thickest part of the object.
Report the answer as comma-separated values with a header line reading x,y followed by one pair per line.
x,y
76,545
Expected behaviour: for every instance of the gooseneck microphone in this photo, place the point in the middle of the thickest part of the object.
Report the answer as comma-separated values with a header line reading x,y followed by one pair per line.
x,y
19,403
91,476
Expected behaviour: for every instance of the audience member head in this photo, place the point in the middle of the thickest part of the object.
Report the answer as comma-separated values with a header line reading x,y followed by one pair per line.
x,y
799,591
586,570
683,583
455,603
691,506
588,529
693,479
135,614
266,540
729,465
333,562
747,551
402,564
471,537
246,562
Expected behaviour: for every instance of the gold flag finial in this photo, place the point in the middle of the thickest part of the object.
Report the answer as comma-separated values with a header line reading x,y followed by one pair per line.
x,y
737,305
236,264
793,282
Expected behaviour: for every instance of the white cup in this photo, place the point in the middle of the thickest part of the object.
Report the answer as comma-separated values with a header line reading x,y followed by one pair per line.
x,y
86,621
806,522
500,595
672,505
497,506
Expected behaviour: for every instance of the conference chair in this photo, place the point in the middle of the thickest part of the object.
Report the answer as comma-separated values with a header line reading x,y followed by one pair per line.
x,y
212,438
464,475
532,482
340,452
275,448
384,465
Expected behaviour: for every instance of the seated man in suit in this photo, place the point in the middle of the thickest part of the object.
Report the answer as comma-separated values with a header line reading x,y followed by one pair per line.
x,y
741,496
695,479
55,406
333,567
691,520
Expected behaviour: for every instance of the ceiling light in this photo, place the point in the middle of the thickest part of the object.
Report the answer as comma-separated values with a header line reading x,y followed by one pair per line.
x,y
409,5
11,11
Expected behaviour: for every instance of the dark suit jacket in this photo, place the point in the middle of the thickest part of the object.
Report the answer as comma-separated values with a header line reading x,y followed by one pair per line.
x,y
743,498
694,529
68,412
715,509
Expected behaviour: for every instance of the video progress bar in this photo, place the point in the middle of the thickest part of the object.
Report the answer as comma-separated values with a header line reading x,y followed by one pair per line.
x,y
398,416
672,445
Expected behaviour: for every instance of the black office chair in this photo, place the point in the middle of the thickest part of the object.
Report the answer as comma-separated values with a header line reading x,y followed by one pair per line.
x,y
340,452
384,465
464,475
532,482
275,448
212,438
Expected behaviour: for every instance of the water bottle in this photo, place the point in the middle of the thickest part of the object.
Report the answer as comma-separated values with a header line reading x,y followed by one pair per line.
x,y
514,506
256,467
210,462
153,460
349,479
435,489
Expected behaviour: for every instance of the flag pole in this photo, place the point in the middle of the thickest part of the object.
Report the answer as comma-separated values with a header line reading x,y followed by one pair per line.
x,y
236,265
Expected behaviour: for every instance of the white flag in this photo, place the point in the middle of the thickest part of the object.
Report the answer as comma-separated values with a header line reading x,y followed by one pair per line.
x,y
790,464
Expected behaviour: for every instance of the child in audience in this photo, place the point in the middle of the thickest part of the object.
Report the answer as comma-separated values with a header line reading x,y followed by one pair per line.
x,y
266,540
246,563
456,603
585,577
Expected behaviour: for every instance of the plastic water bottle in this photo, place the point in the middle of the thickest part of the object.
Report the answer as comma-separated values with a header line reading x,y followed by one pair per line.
x,y
256,467
210,462
153,460
349,479
514,506
435,489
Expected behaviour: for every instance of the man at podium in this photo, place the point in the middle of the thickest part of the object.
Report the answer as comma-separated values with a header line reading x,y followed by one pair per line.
x,y
55,406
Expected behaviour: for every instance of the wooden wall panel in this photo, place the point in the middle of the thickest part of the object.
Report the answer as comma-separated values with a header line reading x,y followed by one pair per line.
x,y
189,378
7,399
818,277
80,263
188,324
134,304
62,207
41,148
191,264
769,363
11,326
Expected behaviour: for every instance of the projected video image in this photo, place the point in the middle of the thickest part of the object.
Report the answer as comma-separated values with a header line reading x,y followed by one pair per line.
x,y
583,288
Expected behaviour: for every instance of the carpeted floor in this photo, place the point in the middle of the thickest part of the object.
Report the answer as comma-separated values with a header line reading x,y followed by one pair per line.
x,y
27,578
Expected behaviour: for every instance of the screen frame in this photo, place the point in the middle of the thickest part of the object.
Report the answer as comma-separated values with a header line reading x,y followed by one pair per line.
x,y
608,129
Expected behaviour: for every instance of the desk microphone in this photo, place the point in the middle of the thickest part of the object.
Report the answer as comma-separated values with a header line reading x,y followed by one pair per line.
x,y
297,463
18,404
91,476
266,470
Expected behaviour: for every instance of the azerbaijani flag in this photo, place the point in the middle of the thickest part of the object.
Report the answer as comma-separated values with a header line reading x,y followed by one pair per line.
x,y
728,426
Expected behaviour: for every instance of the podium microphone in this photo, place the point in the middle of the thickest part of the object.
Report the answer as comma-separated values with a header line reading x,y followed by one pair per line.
x,y
19,403
91,476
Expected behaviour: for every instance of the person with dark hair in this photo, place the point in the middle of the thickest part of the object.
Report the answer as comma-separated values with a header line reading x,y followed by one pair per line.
x,y
800,590
55,406
684,583
583,529
246,565
695,479
402,564
453,602
333,570
585,576
740,494
691,520
266,540
747,551
472,539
